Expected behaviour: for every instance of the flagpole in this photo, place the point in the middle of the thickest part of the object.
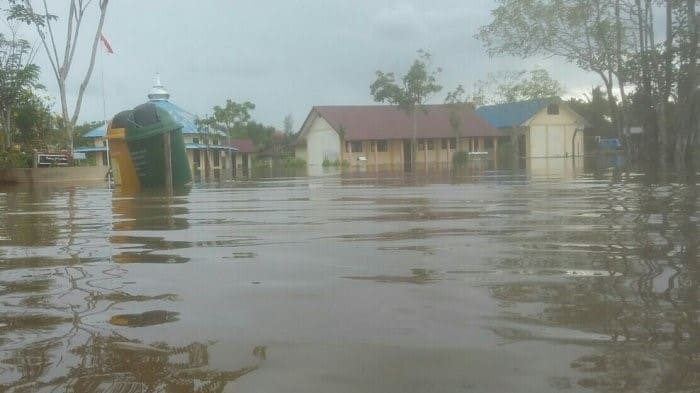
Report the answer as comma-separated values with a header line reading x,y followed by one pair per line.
x,y
104,117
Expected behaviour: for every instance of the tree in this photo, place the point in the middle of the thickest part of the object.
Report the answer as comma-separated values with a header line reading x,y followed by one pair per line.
x,y
594,108
18,76
34,121
288,125
42,21
579,31
417,86
512,86
229,118
260,134
616,40
456,100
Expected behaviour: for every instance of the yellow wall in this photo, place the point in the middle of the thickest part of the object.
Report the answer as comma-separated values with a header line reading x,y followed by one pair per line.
x,y
395,153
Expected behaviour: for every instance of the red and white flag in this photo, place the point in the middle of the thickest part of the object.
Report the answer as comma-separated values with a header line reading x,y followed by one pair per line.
x,y
106,44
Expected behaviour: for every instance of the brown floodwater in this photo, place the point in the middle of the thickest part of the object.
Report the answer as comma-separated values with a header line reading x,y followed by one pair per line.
x,y
542,280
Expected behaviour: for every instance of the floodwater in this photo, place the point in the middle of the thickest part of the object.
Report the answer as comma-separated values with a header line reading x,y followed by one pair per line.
x,y
543,280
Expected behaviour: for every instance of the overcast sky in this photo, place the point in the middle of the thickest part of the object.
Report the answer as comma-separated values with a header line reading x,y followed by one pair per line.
x,y
285,56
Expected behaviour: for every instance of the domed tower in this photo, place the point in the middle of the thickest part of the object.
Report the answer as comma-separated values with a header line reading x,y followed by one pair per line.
x,y
158,92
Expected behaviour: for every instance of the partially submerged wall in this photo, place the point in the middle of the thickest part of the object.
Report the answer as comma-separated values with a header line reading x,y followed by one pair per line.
x,y
55,174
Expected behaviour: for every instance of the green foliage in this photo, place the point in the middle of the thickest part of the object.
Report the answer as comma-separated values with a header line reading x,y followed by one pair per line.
x,y
235,120
61,54
18,78
229,117
417,86
619,41
506,154
513,86
32,118
335,163
457,102
287,162
260,134
15,159
288,127
290,162
595,109
82,129
460,158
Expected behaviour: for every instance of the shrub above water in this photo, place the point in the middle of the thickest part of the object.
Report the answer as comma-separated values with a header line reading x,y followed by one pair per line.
x,y
460,158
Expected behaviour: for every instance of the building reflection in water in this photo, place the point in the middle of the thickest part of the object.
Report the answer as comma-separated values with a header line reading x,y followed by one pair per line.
x,y
634,295
151,212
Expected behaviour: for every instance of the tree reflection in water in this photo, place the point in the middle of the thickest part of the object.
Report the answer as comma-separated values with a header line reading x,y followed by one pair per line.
x,y
115,364
89,357
643,303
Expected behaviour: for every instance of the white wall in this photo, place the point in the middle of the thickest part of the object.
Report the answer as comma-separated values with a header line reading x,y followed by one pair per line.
x,y
322,142
551,135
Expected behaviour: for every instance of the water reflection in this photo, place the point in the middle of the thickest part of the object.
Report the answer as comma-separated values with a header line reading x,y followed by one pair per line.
x,y
136,215
644,301
485,279
113,363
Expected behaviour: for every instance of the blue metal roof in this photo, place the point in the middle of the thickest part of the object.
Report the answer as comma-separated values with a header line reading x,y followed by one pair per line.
x,y
89,149
98,132
186,119
514,113
204,146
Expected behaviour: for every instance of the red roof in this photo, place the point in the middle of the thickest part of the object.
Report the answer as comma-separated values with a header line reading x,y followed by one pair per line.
x,y
245,145
379,122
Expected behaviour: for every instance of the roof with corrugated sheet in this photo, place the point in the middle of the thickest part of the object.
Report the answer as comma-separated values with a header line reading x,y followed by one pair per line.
x,y
514,113
184,118
383,122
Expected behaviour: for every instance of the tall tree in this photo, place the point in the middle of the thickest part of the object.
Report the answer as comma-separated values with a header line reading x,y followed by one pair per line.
x,y
579,31
18,76
616,40
413,91
61,61
34,122
512,86
230,117
288,125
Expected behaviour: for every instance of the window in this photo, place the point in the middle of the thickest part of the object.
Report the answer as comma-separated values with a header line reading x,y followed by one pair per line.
x,y
382,146
356,147
421,144
453,143
216,159
553,109
488,143
443,144
195,140
347,147
431,144
216,142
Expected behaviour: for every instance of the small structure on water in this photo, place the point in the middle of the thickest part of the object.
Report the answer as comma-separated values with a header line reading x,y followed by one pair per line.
x,y
147,149
382,134
210,154
543,127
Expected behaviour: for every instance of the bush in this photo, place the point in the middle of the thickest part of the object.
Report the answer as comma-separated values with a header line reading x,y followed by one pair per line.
x,y
335,163
15,159
505,153
460,158
279,162
290,162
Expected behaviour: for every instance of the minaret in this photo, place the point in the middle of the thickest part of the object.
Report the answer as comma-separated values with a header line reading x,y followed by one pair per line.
x,y
158,92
